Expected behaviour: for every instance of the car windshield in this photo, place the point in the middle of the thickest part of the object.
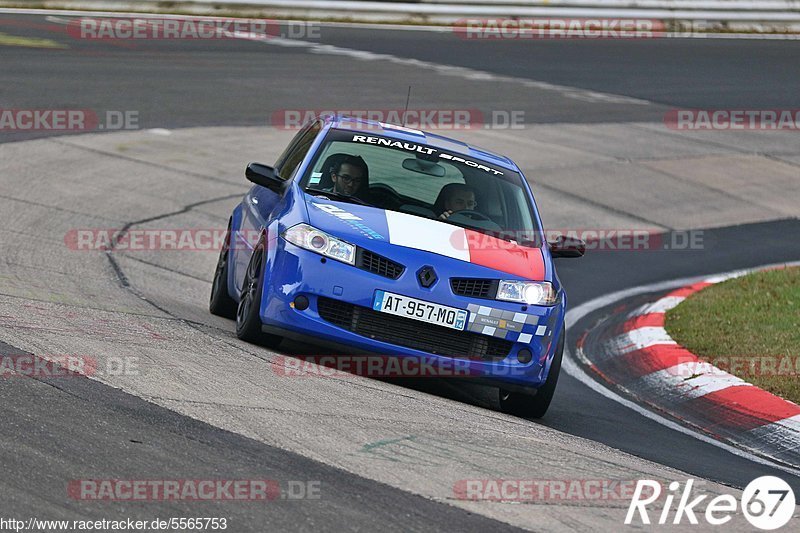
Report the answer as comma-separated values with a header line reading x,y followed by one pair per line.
x,y
423,181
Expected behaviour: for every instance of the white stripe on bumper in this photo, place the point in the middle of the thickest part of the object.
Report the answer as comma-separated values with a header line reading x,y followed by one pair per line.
x,y
427,235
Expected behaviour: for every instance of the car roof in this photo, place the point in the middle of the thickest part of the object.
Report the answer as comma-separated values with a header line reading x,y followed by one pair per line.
x,y
403,133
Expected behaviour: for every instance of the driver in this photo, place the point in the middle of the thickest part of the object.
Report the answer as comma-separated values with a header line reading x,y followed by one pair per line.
x,y
349,175
457,197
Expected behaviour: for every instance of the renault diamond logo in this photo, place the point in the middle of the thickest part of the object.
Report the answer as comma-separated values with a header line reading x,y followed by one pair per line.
x,y
427,276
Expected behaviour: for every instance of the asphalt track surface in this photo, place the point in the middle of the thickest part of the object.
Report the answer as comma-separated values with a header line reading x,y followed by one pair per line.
x,y
233,82
56,429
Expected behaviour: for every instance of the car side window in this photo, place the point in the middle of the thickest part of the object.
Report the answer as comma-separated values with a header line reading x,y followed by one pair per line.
x,y
289,161
290,147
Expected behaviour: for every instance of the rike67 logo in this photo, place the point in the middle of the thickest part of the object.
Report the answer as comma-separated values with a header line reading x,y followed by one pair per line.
x,y
767,502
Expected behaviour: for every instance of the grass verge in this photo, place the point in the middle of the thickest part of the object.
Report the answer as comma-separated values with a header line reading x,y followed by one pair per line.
x,y
748,326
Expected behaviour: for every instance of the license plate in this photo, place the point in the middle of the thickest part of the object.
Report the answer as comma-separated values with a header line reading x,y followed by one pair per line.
x,y
441,315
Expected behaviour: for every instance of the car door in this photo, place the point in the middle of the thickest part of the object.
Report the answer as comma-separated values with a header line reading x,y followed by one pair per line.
x,y
259,203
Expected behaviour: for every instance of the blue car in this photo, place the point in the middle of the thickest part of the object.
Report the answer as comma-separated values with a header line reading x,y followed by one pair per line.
x,y
373,238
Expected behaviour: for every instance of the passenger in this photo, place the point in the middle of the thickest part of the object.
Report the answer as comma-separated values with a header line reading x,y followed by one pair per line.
x,y
456,197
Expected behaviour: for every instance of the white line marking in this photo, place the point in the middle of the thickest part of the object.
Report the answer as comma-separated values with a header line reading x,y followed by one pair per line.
x,y
572,367
460,72
446,70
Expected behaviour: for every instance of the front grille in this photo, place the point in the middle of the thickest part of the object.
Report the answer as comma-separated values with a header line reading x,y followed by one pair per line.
x,y
474,287
411,333
378,264
337,313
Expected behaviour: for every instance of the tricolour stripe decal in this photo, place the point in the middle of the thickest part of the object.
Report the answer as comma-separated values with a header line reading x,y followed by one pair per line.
x,y
505,256
466,245
427,235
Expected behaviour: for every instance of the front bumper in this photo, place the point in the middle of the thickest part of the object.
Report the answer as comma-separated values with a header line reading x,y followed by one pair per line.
x,y
291,272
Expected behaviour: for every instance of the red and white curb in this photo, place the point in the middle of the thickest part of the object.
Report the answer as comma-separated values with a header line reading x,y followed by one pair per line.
x,y
636,356
665,364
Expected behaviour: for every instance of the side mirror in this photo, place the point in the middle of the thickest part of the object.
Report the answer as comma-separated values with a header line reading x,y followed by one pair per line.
x,y
565,246
265,176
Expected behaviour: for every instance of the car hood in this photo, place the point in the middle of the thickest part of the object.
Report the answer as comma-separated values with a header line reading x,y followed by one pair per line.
x,y
368,226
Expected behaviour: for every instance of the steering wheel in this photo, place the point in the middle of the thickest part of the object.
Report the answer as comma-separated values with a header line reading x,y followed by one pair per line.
x,y
473,215
383,195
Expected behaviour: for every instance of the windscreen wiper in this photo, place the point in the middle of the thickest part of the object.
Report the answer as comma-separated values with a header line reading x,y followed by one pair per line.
x,y
339,196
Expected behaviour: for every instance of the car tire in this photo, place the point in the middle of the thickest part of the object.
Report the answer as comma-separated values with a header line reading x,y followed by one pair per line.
x,y
220,303
248,320
535,406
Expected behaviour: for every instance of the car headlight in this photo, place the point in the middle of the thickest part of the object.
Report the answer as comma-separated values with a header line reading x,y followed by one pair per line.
x,y
314,240
527,292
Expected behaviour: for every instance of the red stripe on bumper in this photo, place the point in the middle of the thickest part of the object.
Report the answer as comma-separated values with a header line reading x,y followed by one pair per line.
x,y
505,256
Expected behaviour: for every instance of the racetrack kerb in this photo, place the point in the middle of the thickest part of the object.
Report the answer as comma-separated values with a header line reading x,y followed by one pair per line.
x,y
748,326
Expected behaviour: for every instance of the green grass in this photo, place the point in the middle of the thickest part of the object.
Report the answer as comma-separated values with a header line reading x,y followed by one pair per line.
x,y
748,326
